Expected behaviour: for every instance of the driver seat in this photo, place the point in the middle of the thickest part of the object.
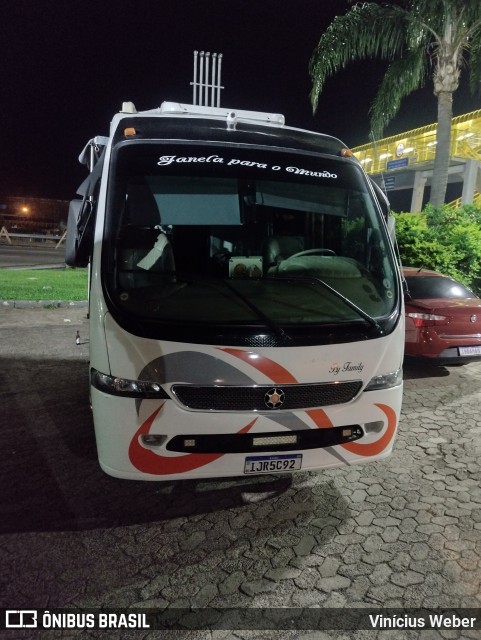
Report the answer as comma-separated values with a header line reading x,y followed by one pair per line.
x,y
279,248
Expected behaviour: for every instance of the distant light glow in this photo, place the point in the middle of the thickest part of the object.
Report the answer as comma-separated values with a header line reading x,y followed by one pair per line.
x,y
464,136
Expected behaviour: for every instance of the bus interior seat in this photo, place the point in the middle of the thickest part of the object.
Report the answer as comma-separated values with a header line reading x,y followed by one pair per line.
x,y
143,247
279,248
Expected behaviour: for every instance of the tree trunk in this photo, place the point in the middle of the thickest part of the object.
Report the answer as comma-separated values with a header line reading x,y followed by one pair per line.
x,y
443,148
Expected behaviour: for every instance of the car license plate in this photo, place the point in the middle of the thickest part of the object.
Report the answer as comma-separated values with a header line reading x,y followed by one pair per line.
x,y
469,351
271,464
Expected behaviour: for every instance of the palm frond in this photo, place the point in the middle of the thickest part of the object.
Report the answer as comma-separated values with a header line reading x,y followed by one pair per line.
x,y
469,10
403,76
429,15
368,30
475,67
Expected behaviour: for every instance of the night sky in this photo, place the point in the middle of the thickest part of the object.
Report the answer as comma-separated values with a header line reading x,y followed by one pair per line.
x,y
67,66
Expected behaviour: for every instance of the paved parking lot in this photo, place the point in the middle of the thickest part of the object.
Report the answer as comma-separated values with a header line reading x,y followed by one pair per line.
x,y
405,532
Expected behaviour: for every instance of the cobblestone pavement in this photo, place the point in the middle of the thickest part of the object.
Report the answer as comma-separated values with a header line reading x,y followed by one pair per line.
x,y
405,532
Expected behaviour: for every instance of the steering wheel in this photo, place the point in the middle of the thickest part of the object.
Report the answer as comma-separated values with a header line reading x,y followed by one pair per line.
x,y
313,252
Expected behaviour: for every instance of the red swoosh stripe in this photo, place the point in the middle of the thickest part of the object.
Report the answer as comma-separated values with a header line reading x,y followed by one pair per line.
x,y
280,375
320,418
147,461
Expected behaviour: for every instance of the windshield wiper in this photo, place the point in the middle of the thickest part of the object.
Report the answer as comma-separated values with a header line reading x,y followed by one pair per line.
x,y
340,296
213,282
268,321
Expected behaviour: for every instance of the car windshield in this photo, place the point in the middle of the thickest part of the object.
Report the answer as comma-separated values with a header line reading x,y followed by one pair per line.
x,y
425,287
215,236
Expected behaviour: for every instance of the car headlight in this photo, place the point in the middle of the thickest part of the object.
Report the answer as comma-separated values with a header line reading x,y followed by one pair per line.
x,y
116,386
386,381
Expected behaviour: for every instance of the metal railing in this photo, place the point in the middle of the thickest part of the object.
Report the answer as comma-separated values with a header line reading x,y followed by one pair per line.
x,y
454,204
8,235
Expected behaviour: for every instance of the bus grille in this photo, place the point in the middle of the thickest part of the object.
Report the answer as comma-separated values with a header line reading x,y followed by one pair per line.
x,y
290,397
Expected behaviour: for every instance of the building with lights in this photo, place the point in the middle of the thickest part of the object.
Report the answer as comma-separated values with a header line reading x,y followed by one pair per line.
x,y
403,164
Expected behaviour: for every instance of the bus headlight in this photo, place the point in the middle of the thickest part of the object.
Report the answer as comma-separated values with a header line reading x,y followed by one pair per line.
x,y
386,381
124,387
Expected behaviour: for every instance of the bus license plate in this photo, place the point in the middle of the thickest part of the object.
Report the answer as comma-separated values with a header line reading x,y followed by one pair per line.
x,y
272,464
469,351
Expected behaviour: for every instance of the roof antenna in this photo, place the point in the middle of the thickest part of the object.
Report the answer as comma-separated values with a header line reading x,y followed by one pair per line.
x,y
201,85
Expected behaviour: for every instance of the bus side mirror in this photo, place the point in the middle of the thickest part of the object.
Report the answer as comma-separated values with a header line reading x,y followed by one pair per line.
x,y
79,240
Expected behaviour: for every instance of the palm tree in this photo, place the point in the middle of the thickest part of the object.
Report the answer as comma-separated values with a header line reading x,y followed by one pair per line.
x,y
420,39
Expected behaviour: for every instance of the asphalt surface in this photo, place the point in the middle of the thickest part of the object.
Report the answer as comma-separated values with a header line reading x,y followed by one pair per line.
x,y
31,255
405,532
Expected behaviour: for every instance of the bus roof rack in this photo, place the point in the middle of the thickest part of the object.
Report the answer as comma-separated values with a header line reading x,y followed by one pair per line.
x,y
231,115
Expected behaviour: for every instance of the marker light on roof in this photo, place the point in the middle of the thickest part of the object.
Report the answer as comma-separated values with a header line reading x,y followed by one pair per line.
x,y
128,107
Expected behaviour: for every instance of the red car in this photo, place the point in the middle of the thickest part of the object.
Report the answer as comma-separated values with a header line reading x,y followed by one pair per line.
x,y
443,319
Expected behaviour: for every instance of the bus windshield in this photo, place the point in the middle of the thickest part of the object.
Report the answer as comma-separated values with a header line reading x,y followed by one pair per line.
x,y
207,237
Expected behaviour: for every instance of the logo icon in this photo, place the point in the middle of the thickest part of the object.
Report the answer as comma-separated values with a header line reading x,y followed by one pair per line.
x,y
473,318
274,398
20,619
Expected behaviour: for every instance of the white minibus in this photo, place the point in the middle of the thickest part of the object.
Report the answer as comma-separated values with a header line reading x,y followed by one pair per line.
x,y
245,301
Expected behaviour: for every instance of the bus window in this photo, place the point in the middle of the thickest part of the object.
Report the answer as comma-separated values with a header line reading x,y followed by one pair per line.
x,y
181,237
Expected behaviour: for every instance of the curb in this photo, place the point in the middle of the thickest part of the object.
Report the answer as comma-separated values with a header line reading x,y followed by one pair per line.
x,y
42,304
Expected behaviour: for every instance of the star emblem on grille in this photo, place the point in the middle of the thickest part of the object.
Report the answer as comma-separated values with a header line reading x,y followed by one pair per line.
x,y
274,398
